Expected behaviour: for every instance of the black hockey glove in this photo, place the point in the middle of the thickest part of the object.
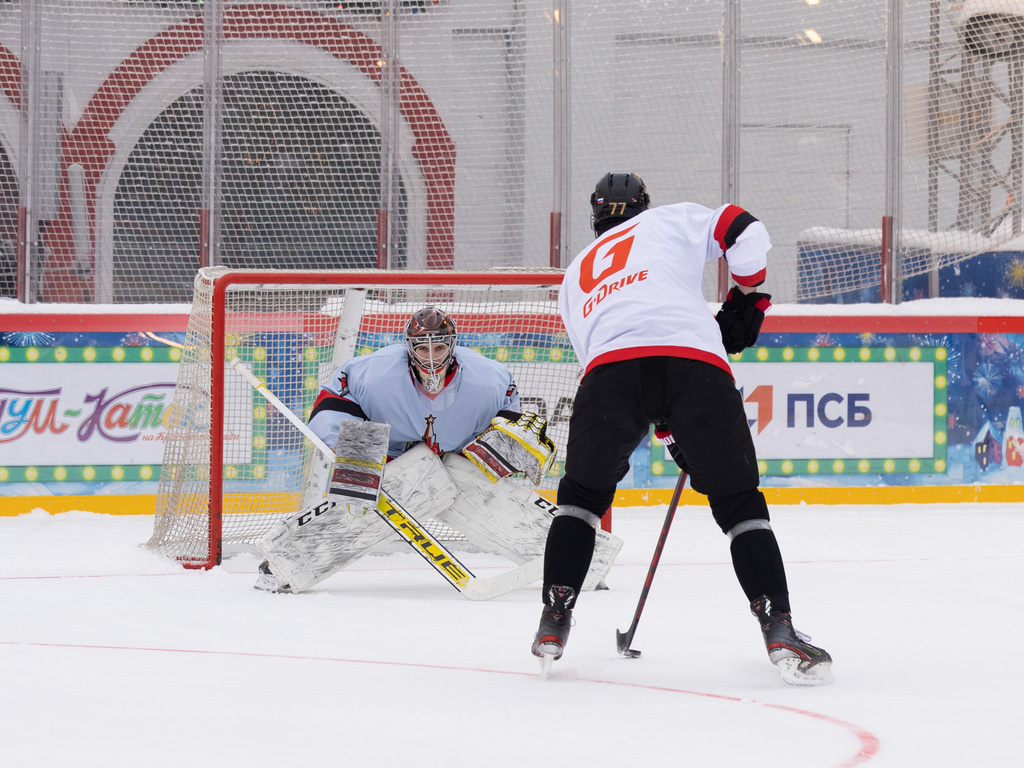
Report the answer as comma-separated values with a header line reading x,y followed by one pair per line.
x,y
740,318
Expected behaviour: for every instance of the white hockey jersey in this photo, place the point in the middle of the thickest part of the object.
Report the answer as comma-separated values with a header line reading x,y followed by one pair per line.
x,y
380,387
636,291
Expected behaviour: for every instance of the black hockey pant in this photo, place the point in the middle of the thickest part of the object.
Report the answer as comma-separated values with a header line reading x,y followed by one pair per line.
x,y
613,411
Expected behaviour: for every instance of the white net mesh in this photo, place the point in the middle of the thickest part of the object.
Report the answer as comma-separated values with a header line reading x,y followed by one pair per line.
x,y
292,336
157,137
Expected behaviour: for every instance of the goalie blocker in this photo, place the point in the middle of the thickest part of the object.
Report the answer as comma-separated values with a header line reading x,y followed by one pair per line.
x,y
360,453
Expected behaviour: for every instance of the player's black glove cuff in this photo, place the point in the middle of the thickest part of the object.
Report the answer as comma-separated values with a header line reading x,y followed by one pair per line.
x,y
740,318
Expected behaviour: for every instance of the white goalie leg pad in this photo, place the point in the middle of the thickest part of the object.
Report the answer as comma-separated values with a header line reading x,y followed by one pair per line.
x,y
606,549
360,453
498,516
512,520
418,481
315,543
309,546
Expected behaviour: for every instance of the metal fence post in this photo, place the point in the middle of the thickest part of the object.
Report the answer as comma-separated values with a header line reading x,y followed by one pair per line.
x,y
28,233
730,122
562,125
209,214
891,223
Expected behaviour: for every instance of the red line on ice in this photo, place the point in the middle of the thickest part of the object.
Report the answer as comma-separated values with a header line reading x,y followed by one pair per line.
x,y
869,743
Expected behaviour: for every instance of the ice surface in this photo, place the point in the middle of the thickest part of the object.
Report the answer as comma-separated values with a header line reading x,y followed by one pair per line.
x,y
111,655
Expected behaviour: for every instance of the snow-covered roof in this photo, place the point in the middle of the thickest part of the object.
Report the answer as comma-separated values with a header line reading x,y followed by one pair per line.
x,y
916,239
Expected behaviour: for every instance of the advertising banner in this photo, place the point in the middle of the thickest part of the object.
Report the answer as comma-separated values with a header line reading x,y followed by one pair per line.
x,y
829,411
834,411
84,413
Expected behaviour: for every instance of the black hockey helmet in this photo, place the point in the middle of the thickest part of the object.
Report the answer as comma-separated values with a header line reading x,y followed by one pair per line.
x,y
426,328
617,197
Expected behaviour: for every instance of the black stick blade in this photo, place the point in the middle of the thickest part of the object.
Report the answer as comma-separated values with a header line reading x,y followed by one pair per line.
x,y
622,643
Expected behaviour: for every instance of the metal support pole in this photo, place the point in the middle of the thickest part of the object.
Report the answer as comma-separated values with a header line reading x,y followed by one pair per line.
x,y
890,257
730,121
31,73
1016,128
390,114
209,214
562,124
934,85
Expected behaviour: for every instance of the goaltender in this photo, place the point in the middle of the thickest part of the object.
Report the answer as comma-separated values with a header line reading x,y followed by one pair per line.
x,y
448,421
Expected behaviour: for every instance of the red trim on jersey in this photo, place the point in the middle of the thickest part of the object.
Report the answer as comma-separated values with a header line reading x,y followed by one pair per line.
x,y
724,221
751,281
453,368
632,353
327,395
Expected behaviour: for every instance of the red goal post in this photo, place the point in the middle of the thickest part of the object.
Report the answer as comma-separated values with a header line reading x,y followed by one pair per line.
x,y
232,465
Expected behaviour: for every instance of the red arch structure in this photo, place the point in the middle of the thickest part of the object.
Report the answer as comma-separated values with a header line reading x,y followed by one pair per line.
x,y
10,76
90,146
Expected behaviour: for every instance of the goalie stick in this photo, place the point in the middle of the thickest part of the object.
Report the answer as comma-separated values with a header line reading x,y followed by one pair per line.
x,y
624,640
446,564
410,529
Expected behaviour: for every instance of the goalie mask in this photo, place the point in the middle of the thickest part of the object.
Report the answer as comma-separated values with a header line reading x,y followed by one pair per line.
x,y
430,336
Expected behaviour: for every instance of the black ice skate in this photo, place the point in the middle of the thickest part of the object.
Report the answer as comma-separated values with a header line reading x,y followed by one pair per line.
x,y
555,622
799,662
267,581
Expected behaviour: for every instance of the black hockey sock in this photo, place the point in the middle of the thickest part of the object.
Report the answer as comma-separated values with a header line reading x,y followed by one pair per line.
x,y
758,563
567,555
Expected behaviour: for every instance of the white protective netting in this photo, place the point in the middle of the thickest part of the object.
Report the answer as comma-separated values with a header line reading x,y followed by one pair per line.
x,y
292,336
142,140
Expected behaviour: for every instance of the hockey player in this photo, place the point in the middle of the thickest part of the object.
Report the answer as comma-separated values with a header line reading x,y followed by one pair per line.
x,y
448,420
652,353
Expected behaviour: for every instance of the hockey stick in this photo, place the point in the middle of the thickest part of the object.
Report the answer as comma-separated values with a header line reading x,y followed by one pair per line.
x,y
446,564
623,641
410,529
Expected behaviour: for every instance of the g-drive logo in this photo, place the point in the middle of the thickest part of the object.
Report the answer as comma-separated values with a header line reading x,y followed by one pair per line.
x,y
611,256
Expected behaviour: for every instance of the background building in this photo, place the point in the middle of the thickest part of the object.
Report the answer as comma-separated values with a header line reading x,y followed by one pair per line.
x,y
447,116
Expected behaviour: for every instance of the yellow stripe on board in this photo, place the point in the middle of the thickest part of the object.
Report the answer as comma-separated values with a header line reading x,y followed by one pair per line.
x,y
925,494
143,504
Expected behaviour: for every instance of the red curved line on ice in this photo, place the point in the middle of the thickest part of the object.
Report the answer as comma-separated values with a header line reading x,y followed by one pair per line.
x,y
869,743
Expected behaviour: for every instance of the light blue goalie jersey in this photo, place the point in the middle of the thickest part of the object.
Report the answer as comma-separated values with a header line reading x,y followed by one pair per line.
x,y
380,387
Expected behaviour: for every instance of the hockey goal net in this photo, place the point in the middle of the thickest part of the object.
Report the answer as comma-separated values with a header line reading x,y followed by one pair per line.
x,y
233,465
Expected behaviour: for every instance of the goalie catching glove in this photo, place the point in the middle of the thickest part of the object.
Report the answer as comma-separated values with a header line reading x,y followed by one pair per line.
x,y
512,445
740,318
